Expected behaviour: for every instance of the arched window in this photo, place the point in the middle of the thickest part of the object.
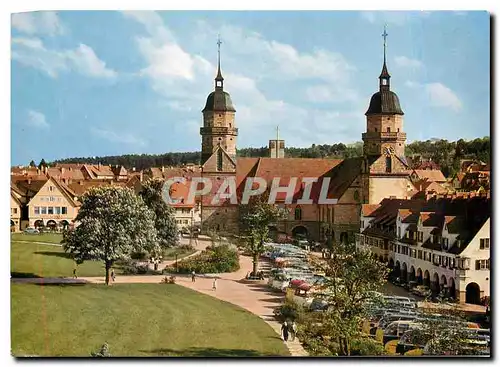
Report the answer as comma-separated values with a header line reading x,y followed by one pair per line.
x,y
298,213
388,164
388,129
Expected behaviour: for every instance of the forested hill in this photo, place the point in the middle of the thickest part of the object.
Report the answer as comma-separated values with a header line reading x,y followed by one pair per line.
x,y
446,154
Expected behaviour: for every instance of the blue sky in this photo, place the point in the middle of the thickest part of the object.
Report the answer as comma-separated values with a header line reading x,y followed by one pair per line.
x,y
101,83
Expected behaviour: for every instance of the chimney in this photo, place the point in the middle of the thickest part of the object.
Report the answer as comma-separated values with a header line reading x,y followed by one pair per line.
x,y
133,169
162,169
141,177
37,171
62,171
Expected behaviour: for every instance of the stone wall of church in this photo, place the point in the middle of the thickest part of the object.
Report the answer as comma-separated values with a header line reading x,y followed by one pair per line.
x,y
221,219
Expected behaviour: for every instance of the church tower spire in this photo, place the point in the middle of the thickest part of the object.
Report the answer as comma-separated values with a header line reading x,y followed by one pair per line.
x,y
219,80
219,129
384,75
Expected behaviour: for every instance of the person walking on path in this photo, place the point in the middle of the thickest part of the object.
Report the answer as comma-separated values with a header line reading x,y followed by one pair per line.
x,y
293,331
214,284
74,273
113,275
284,331
193,276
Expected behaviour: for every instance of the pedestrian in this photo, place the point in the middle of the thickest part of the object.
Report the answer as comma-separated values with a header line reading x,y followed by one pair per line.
x,y
214,284
113,275
293,330
193,276
74,273
284,331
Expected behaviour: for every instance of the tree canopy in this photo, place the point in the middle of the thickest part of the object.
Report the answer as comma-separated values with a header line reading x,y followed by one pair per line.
x,y
164,216
112,223
355,274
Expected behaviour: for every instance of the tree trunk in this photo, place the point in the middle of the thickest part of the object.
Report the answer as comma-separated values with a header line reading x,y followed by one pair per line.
x,y
255,263
108,266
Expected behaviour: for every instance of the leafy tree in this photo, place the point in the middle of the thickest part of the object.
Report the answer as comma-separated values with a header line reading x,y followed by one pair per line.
x,y
354,275
255,219
32,163
165,225
42,164
113,223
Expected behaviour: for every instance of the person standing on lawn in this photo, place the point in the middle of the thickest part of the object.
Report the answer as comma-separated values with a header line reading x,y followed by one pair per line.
x,y
214,284
193,276
284,331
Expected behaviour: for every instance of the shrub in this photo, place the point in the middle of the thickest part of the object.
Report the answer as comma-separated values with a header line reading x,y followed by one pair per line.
x,y
215,259
415,352
289,311
366,347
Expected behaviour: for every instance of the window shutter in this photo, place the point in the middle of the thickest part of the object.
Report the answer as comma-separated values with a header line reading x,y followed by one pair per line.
x,y
481,244
488,264
478,265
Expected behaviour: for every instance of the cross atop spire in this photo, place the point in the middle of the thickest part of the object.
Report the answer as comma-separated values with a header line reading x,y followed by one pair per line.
x,y
385,34
218,79
384,75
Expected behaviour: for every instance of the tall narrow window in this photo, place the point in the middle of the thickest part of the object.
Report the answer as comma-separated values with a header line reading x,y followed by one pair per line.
x,y
388,164
219,160
388,129
298,213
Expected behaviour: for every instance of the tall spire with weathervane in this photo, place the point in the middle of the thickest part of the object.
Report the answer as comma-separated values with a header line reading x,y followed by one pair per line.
x,y
384,75
219,80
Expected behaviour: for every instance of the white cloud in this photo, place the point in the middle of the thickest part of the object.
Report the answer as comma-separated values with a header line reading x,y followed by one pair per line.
x,y
249,62
86,62
31,52
42,22
406,62
438,94
37,120
114,137
443,96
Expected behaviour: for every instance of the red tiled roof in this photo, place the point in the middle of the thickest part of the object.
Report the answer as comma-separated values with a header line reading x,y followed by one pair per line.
x,y
369,209
432,175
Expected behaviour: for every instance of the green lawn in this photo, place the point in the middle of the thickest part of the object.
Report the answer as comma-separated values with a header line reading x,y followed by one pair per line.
x,y
135,320
45,237
31,260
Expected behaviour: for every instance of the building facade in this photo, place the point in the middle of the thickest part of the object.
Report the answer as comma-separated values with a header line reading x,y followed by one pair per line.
x,y
442,242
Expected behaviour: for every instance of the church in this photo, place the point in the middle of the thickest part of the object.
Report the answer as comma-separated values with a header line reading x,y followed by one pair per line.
x,y
381,172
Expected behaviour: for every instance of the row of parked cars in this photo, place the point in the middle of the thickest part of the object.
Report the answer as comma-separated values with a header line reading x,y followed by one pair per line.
x,y
398,318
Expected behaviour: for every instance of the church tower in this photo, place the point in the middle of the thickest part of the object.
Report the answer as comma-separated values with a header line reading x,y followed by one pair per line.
x,y
385,170
219,128
384,119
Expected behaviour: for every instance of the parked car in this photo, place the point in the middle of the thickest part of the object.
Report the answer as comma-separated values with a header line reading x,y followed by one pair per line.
x,y
31,230
422,291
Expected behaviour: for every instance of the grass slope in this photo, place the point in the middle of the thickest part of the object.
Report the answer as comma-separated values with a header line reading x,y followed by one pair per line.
x,y
135,320
30,260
